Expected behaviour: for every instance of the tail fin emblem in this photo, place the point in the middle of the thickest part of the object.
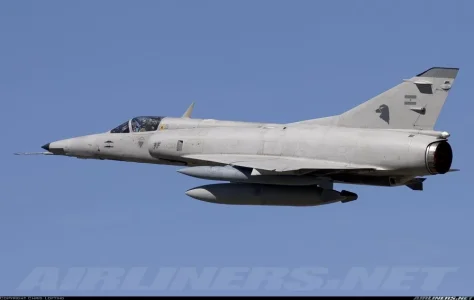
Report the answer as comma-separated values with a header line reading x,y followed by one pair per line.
x,y
384,113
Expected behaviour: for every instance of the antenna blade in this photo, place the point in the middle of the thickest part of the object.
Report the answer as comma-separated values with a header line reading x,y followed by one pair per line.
x,y
189,111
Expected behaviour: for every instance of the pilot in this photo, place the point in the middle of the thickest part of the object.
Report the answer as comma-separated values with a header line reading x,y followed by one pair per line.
x,y
136,125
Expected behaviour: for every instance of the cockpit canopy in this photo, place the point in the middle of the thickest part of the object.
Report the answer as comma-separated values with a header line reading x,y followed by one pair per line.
x,y
138,124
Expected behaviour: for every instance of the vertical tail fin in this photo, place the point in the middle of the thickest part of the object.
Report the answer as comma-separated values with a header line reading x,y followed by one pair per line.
x,y
413,104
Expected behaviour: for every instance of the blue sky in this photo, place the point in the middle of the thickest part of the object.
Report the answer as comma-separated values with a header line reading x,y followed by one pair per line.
x,y
80,67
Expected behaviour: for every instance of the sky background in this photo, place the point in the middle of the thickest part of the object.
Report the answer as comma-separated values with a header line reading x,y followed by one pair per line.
x,y
70,68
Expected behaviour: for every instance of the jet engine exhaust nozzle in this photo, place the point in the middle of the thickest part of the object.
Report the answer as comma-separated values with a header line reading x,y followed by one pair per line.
x,y
438,157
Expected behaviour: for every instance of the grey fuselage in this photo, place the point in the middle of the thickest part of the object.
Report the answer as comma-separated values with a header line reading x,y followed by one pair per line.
x,y
397,155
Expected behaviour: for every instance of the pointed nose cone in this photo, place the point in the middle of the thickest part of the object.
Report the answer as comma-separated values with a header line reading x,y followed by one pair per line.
x,y
192,171
56,147
201,194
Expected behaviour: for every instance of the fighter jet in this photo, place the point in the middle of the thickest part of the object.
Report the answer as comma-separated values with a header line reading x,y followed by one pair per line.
x,y
387,141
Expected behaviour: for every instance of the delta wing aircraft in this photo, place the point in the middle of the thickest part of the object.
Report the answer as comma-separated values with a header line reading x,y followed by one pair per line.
x,y
387,141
